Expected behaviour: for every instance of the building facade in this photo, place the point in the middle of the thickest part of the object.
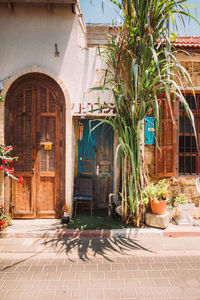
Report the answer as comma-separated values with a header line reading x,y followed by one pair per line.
x,y
48,65
46,72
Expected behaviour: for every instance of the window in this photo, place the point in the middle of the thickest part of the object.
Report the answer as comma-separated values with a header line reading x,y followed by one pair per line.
x,y
178,153
188,152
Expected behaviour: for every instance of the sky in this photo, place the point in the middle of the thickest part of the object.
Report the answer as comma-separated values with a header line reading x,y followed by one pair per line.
x,y
95,12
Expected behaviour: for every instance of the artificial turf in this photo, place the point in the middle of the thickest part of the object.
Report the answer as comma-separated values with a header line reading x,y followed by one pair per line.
x,y
99,220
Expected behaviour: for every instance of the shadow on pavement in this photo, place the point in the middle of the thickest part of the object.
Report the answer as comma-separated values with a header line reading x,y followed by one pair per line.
x,y
86,248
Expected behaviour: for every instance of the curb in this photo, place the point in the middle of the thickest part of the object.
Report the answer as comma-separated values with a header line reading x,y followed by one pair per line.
x,y
107,233
125,233
181,234
71,233
61,233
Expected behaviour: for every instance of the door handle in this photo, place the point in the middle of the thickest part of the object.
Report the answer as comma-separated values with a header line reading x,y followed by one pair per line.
x,y
33,170
98,170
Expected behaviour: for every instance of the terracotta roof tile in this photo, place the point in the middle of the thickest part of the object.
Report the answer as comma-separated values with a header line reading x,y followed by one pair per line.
x,y
187,42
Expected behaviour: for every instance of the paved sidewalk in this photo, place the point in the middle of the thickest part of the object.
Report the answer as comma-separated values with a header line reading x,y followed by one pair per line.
x,y
38,262
114,268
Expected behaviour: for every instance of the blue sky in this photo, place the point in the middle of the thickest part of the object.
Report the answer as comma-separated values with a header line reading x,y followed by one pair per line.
x,y
93,13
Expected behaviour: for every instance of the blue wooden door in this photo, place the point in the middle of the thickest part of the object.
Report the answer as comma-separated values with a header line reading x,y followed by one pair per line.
x,y
95,158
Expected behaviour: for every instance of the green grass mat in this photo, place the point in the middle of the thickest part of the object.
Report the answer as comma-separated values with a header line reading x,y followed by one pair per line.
x,y
99,220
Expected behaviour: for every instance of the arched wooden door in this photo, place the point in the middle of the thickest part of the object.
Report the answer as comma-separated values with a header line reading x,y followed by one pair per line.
x,y
34,113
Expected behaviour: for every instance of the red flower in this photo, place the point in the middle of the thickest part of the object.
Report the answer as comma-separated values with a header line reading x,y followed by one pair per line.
x,y
4,161
2,222
20,179
11,171
1,167
10,161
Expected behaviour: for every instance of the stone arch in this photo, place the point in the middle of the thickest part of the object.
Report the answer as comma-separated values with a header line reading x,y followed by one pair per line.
x,y
36,69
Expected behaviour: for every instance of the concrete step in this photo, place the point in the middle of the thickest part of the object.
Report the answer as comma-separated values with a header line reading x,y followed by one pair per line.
x,y
38,228
48,228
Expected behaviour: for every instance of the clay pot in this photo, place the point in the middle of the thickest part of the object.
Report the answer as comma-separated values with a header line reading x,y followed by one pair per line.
x,y
158,208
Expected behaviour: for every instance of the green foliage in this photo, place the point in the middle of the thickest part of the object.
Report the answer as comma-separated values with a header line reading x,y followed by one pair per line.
x,y
4,219
7,161
141,64
180,199
156,191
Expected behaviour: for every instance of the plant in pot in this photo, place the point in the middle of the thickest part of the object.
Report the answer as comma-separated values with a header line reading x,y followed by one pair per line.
x,y
66,214
184,209
157,193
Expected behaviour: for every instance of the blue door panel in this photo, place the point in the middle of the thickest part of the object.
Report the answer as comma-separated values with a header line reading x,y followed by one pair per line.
x,y
95,158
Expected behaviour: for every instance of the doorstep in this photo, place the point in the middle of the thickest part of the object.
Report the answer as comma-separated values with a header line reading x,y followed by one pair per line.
x,y
48,228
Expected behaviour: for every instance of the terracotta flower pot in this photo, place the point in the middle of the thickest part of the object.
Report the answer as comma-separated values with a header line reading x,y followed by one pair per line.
x,y
158,208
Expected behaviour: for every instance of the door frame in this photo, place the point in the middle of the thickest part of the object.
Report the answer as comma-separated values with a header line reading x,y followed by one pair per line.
x,y
7,121
114,171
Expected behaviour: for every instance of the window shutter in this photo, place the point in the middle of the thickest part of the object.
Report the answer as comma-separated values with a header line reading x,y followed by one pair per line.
x,y
165,157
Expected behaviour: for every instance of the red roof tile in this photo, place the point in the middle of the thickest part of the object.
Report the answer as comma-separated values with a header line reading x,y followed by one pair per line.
x,y
187,42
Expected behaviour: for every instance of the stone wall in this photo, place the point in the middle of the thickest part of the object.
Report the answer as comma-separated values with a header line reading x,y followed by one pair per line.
x,y
185,185
191,62
149,159
179,184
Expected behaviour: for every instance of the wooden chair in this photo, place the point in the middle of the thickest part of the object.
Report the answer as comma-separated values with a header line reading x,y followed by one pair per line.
x,y
83,193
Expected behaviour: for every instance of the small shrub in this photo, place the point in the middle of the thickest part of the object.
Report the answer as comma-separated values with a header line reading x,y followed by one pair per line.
x,y
4,220
180,199
156,191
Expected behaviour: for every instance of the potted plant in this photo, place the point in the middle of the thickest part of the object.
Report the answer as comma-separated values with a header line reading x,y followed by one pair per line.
x,y
66,214
184,209
157,195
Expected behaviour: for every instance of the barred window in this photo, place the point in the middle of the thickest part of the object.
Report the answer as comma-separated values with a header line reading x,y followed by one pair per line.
x,y
188,152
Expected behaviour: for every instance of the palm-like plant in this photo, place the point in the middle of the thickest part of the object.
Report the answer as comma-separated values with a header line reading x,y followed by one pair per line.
x,y
141,64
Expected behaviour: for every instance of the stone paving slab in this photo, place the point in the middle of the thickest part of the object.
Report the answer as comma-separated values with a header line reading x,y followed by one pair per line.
x,y
114,268
108,279
128,264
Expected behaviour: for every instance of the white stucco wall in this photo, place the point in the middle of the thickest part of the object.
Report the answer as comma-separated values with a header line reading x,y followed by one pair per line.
x,y
28,36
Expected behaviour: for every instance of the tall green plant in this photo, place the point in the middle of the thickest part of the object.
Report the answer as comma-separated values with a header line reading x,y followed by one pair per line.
x,y
140,65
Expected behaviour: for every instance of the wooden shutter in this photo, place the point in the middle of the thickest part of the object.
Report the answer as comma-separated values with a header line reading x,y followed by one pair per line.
x,y
165,165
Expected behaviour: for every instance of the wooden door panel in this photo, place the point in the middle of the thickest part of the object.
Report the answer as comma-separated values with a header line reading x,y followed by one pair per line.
x,y
46,197
48,153
23,139
105,163
35,119
22,193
